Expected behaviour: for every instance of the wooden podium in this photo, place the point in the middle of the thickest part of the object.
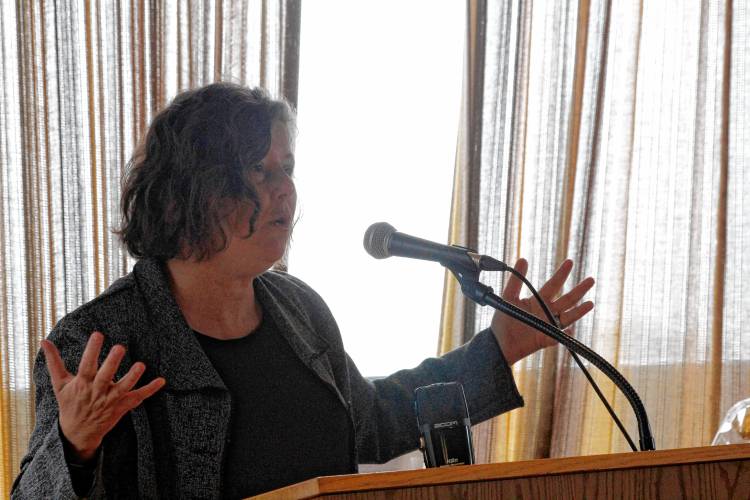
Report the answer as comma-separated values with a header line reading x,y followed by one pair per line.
x,y
710,472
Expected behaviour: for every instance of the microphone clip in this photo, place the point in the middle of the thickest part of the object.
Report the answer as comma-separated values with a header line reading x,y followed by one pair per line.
x,y
468,275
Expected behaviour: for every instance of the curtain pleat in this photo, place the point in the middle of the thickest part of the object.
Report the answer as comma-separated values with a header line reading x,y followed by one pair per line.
x,y
614,133
79,82
719,286
458,313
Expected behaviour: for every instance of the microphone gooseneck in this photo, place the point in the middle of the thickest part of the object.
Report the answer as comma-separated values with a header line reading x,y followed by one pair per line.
x,y
382,241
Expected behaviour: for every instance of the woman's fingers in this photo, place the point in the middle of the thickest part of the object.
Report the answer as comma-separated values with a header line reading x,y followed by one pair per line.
x,y
133,398
89,364
149,389
102,378
108,369
553,286
128,381
512,289
91,402
550,289
572,298
55,366
570,316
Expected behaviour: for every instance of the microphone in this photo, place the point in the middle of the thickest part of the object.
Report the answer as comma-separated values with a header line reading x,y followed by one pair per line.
x,y
444,424
383,241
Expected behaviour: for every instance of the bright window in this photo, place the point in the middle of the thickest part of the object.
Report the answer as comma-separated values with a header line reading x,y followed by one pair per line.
x,y
379,99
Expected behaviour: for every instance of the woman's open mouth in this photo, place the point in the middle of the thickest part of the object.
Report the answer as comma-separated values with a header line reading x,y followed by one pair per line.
x,y
281,222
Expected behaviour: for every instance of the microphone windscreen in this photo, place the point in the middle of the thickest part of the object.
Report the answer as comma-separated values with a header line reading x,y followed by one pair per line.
x,y
377,238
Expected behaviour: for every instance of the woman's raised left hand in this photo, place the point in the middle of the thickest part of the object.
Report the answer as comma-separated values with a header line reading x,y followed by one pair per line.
x,y
518,340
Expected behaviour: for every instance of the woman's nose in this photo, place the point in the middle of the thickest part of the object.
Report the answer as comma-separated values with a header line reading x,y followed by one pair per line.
x,y
283,184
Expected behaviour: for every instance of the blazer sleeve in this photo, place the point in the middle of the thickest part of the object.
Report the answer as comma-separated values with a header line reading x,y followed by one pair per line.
x,y
44,471
383,409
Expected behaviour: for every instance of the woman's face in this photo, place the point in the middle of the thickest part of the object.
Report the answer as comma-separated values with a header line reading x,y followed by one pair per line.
x,y
272,179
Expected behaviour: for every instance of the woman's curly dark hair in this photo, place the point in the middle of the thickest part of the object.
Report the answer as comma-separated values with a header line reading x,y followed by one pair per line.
x,y
190,172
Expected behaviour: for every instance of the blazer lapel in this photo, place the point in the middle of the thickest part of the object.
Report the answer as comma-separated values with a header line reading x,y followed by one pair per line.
x,y
190,416
298,332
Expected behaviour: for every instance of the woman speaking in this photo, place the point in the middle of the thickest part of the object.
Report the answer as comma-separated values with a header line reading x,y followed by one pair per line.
x,y
205,374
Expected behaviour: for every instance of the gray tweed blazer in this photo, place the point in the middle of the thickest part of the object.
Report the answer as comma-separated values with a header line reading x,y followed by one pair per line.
x,y
172,446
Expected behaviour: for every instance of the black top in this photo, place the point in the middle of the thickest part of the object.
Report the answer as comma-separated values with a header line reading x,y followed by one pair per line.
x,y
286,425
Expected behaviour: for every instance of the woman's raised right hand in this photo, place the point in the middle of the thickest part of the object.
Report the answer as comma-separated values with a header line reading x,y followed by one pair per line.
x,y
91,402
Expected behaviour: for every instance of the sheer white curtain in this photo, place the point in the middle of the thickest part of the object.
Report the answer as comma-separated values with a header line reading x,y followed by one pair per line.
x,y
79,82
614,133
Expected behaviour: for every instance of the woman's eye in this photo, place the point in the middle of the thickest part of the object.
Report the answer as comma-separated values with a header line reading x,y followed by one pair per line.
x,y
261,173
258,172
